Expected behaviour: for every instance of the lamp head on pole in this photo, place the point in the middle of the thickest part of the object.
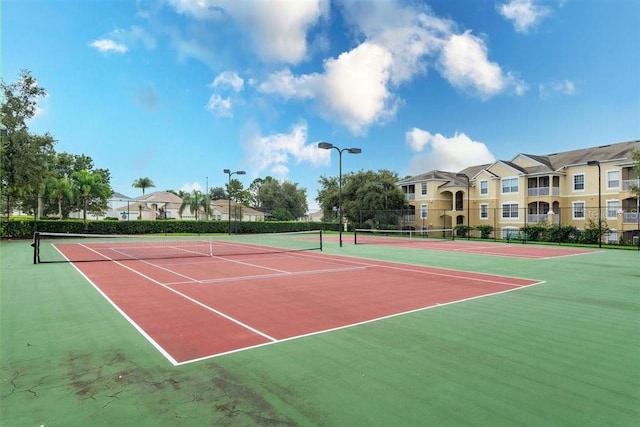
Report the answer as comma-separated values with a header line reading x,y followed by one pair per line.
x,y
240,172
325,145
227,171
354,150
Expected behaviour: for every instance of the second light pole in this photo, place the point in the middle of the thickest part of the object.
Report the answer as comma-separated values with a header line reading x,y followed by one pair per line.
x,y
229,173
329,146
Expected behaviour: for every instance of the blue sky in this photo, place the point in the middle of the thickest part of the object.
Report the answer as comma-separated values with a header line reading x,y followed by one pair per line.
x,y
178,90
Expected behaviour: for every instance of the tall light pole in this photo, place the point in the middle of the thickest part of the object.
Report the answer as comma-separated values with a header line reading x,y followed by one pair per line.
x,y
329,146
597,163
229,173
462,175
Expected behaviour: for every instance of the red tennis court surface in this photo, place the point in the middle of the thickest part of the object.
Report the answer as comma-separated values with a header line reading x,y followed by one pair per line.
x,y
195,308
514,250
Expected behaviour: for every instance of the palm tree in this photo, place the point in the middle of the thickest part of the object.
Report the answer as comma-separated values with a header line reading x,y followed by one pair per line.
x,y
89,185
58,190
143,183
195,200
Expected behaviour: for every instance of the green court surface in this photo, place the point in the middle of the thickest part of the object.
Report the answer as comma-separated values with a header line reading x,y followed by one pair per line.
x,y
565,352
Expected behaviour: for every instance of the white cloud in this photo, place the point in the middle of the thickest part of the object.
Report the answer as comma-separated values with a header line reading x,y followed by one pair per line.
x,y
119,39
524,14
417,139
278,28
223,106
353,89
219,106
285,84
108,46
442,153
565,87
228,79
270,155
409,34
356,88
190,186
464,62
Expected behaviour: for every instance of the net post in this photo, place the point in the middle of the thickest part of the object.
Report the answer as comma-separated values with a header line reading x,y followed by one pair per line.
x,y
320,240
355,236
36,247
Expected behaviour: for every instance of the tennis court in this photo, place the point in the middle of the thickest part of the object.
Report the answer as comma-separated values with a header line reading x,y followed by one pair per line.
x,y
196,307
249,333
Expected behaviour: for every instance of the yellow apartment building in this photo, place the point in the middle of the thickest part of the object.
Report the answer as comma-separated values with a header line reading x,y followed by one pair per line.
x,y
568,188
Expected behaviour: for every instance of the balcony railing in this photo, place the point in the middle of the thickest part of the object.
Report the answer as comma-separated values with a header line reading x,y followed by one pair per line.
x,y
555,218
410,196
628,183
543,191
630,218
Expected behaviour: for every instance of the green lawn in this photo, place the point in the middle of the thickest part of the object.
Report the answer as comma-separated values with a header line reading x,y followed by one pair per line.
x,y
566,352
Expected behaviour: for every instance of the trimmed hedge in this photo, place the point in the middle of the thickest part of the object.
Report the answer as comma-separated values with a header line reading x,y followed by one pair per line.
x,y
24,229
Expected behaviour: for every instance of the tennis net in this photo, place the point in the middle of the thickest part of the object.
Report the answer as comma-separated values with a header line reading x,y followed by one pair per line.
x,y
364,236
64,247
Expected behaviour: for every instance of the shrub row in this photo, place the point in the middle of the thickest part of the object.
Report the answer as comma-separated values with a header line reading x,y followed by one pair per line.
x,y
24,229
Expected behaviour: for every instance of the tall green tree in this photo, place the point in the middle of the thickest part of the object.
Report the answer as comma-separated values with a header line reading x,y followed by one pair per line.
x,y
143,183
91,190
365,195
24,156
237,192
217,193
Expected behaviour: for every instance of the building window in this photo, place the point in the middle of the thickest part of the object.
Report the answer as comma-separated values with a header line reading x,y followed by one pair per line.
x,y
484,211
424,213
509,185
612,209
613,179
484,187
578,182
424,189
578,210
510,210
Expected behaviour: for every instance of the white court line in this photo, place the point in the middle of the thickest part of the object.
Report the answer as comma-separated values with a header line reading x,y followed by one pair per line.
x,y
273,275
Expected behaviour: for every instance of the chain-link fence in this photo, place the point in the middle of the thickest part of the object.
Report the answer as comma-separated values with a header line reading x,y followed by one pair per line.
x,y
579,224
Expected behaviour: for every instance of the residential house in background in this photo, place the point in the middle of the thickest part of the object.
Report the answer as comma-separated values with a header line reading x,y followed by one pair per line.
x,y
569,188
166,205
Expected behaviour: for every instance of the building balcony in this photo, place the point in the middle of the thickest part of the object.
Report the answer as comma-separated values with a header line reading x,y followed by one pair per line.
x,y
630,218
628,183
410,196
543,191
544,218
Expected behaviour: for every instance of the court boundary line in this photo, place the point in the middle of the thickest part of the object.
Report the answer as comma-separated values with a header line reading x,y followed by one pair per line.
x,y
268,276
